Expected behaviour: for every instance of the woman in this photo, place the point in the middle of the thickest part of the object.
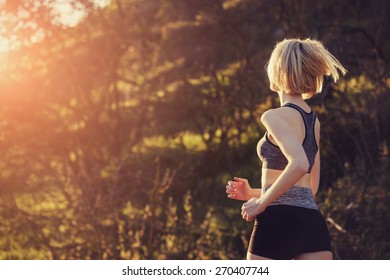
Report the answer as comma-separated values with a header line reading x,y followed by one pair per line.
x,y
288,224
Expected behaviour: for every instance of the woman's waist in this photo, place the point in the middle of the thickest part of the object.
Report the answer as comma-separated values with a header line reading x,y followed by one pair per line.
x,y
295,196
269,176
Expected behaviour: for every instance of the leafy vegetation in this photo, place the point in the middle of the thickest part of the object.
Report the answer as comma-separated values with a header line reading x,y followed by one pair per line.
x,y
118,134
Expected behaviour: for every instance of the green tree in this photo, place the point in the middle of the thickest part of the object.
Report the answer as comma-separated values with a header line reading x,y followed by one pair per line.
x,y
118,134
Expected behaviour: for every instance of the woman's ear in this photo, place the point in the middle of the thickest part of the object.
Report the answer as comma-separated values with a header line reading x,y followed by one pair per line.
x,y
273,87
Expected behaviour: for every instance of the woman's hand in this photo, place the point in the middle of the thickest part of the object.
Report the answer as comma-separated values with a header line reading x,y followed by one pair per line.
x,y
239,189
251,209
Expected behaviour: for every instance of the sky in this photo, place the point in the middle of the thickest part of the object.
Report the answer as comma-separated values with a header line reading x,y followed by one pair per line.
x,y
67,15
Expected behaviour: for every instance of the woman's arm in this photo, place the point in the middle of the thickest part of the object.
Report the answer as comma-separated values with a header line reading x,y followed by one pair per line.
x,y
315,171
291,146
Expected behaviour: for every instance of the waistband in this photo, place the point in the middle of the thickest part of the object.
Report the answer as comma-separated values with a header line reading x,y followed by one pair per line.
x,y
295,196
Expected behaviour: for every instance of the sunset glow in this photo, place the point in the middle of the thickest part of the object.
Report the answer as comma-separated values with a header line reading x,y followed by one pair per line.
x,y
4,47
64,13
130,130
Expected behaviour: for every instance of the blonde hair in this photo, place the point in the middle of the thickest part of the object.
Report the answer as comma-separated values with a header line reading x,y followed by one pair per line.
x,y
298,67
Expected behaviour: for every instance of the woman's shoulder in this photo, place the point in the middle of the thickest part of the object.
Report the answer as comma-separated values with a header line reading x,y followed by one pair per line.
x,y
277,114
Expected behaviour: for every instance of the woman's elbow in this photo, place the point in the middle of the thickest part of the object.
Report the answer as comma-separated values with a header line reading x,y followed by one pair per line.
x,y
301,166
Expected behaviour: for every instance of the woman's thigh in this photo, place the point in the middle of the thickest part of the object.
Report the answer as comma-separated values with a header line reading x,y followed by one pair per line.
x,y
322,255
251,256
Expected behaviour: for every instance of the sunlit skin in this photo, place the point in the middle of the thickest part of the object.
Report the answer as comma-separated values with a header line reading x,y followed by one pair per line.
x,y
240,189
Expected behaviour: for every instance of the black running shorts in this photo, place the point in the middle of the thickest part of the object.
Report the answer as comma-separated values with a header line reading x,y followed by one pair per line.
x,y
283,232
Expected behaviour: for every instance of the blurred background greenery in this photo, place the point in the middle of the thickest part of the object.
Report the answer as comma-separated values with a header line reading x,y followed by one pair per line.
x,y
121,122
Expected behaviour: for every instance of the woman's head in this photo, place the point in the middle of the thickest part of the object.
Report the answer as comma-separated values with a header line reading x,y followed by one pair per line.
x,y
298,67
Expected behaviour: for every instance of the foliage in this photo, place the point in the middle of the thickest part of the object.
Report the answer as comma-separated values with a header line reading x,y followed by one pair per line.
x,y
118,134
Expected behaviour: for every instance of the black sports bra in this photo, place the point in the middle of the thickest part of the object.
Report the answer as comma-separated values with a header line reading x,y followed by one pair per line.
x,y
271,155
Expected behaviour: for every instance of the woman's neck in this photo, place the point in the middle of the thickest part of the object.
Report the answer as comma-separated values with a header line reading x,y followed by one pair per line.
x,y
290,98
